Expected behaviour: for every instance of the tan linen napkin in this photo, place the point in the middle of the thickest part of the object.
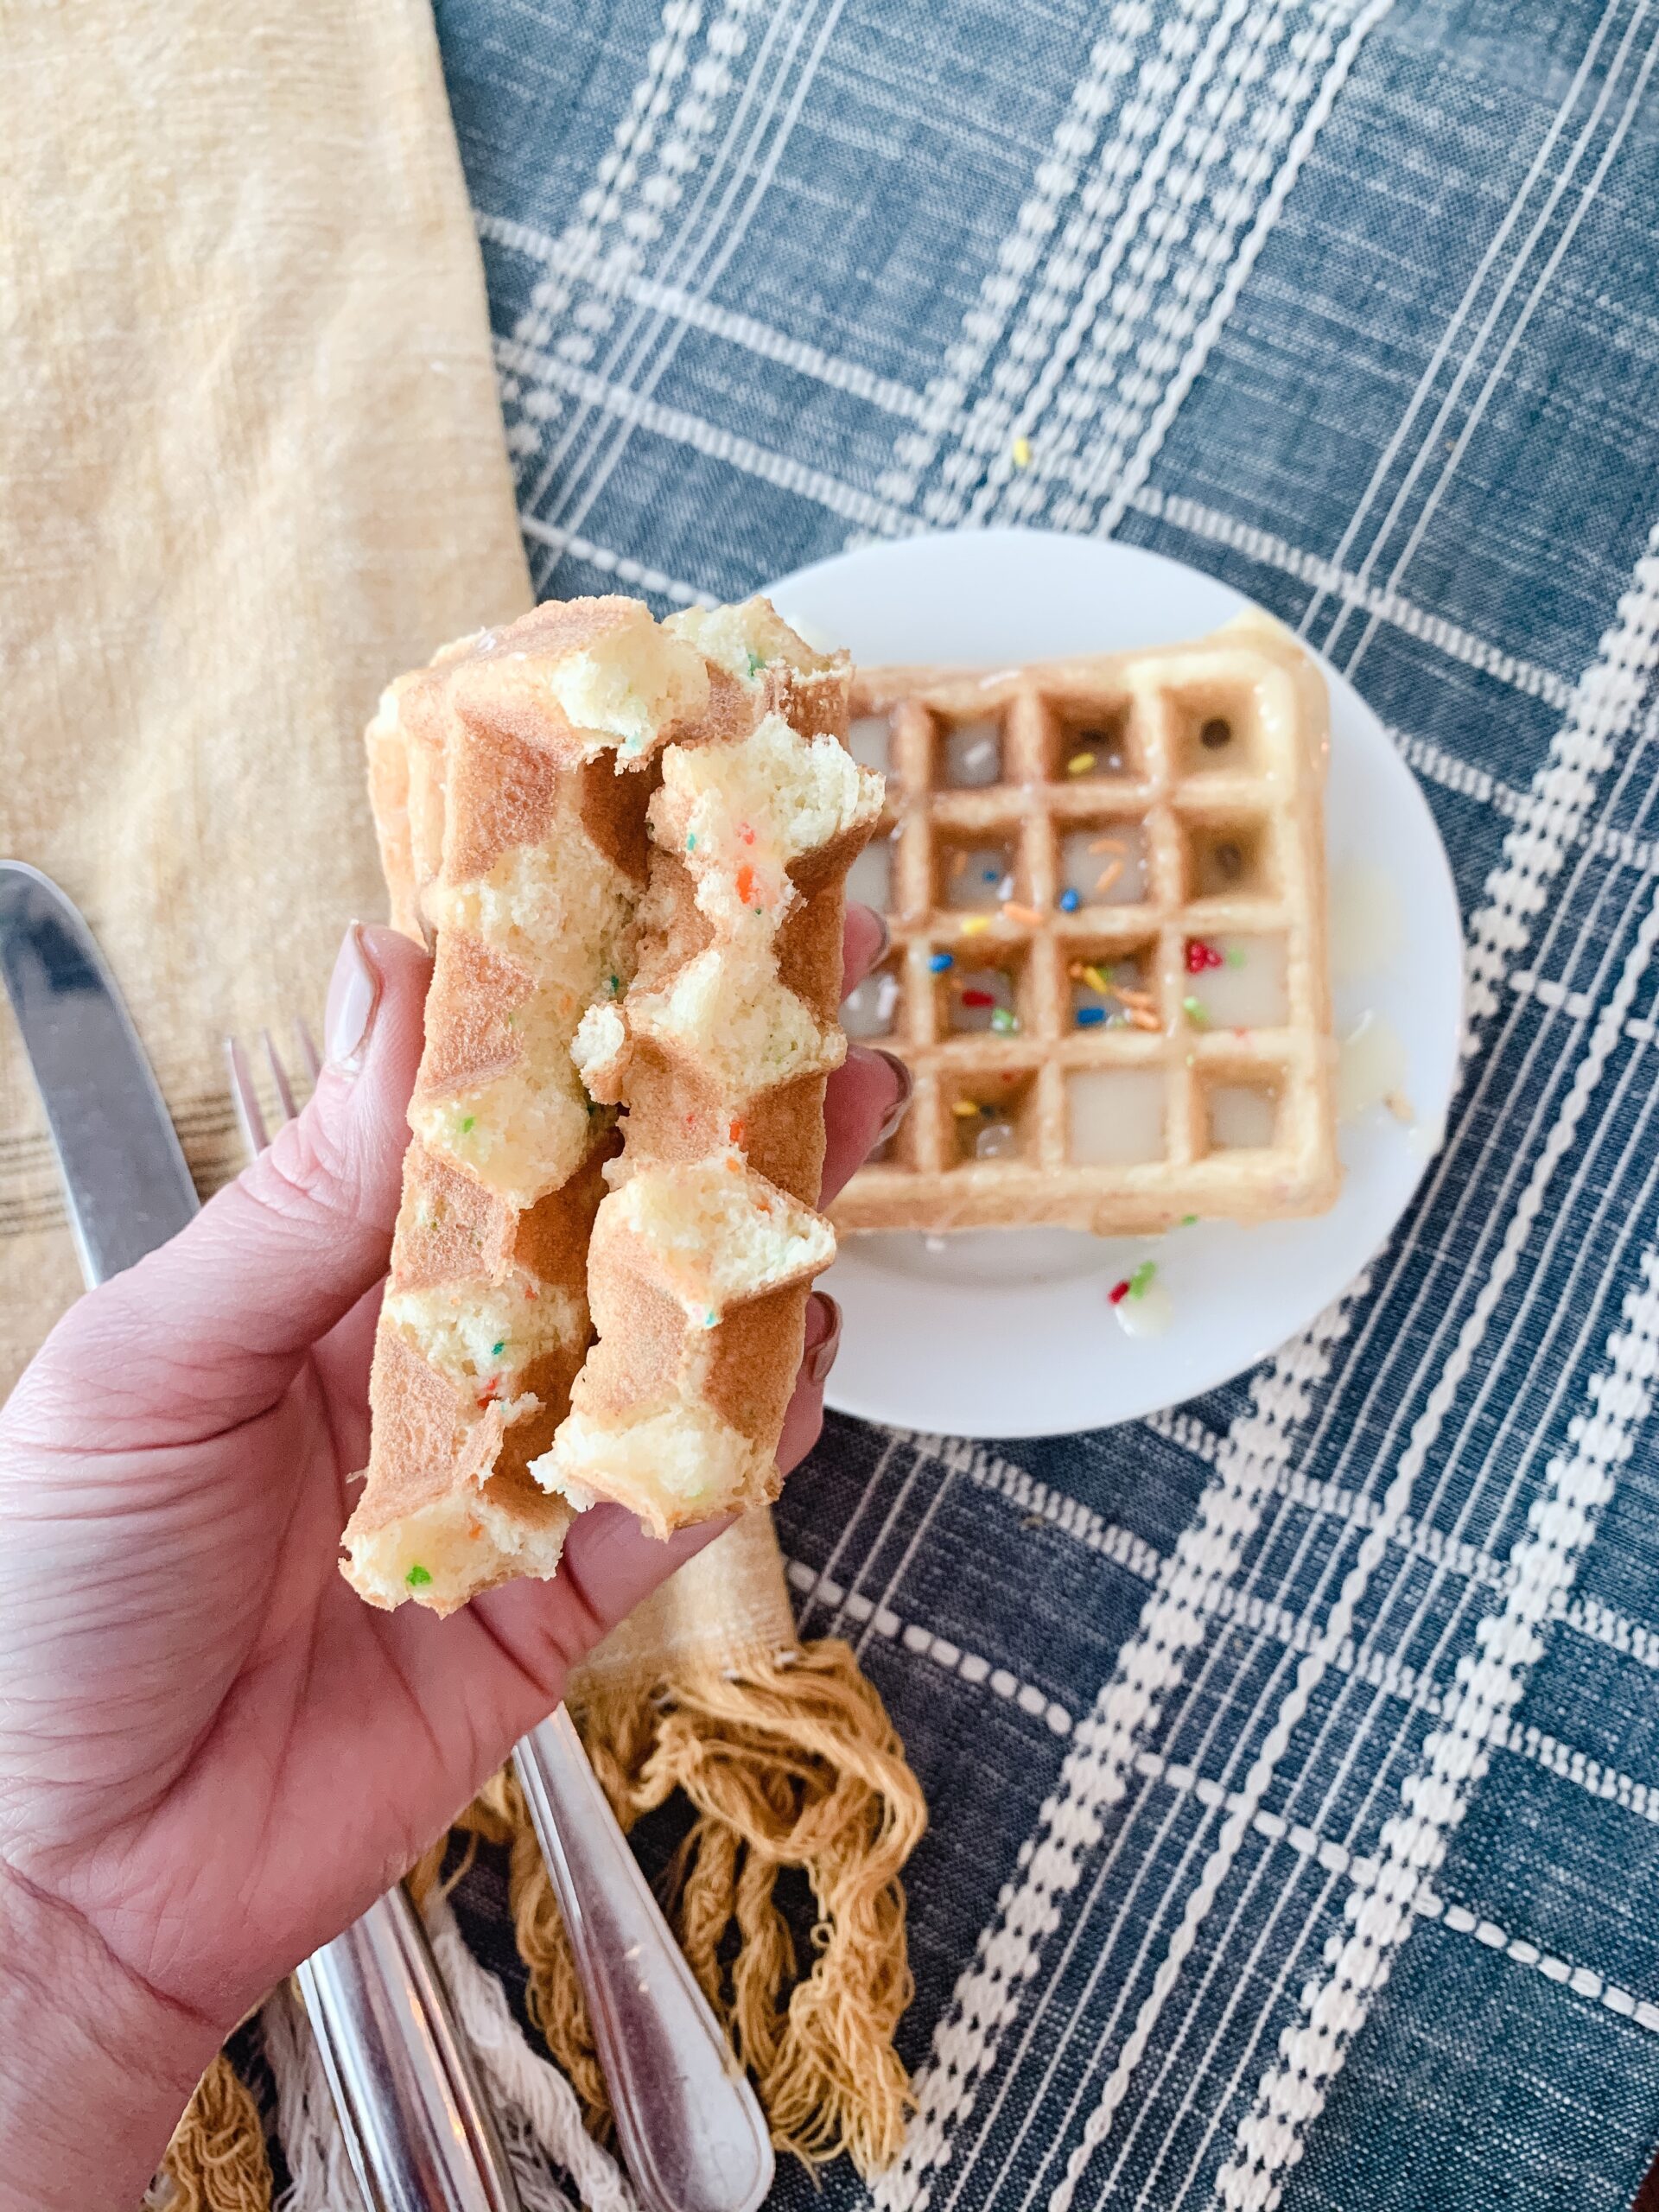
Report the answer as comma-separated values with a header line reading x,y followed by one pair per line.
x,y
250,466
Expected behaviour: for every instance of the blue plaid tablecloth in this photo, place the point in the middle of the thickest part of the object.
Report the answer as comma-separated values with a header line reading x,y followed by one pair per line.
x,y
1294,1756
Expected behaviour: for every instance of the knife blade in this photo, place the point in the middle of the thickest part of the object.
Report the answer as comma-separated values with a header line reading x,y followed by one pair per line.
x,y
121,1166
419,2133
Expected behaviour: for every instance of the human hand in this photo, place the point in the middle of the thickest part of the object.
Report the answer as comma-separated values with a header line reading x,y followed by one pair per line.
x,y
214,1755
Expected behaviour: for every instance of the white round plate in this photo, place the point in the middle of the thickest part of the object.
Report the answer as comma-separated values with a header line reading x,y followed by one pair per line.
x,y
1009,1332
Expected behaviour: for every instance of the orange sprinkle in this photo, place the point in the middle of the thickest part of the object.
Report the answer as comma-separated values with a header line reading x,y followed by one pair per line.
x,y
746,885
736,1129
530,1290
1142,1017
1107,845
1133,997
746,834
958,861
1027,915
733,1166
1109,875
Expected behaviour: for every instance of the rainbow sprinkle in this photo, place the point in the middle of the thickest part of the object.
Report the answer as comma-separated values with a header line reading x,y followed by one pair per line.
x,y
1028,916
466,1124
965,1110
1193,1009
1186,1220
496,1350
976,925
938,962
1070,902
1079,764
417,1578
1090,1017
1003,1021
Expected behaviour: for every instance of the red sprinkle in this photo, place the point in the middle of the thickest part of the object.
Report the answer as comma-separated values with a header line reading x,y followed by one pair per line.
x,y
746,834
1200,955
484,1396
1118,1293
978,998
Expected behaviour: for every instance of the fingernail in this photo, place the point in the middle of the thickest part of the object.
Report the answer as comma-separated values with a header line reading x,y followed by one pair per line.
x,y
824,1338
353,998
900,1105
885,943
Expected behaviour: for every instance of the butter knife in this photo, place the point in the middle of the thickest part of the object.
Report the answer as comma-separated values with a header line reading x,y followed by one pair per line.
x,y
418,2129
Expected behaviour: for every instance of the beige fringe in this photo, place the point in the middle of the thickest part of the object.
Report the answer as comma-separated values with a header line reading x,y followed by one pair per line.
x,y
216,2161
788,1763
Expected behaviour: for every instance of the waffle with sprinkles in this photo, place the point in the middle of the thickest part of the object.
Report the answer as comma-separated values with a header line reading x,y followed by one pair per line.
x,y
1105,882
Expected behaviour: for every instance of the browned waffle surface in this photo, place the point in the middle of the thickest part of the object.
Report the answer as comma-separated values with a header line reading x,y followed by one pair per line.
x,y
1104,880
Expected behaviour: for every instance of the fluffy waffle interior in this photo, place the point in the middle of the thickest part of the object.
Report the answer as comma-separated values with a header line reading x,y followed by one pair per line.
x,y
704,1253
509,782
1104,880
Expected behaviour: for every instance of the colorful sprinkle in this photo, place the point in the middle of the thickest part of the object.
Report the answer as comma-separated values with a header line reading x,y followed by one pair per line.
x,y
467,1123
1002,1021
1200,955
746,887
616,985
746,836
1095,977
1234,955
711,1318
978,998
1140,1280
755,663
1027,917
1193,1009
1070,902
1109,875
1022,453
691,843
417,1578
1187,1220
735,1130
1090,1017
988,875
496,1350
938,962
976,925
487,1395
965,1110
1079,764
1118,1293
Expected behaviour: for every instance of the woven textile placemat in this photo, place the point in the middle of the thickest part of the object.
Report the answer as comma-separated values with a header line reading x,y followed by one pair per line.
x,y
1293,1756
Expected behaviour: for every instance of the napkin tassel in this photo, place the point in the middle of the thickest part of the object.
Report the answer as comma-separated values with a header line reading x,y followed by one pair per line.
x,y
790,1765
216,2161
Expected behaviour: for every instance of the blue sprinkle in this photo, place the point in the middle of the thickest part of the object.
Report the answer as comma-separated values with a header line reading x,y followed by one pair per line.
x,y
989,874
938,962
1070,902
1090,1017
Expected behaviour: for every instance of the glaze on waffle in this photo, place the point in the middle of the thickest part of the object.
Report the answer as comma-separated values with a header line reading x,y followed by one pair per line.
x,y
509,782
1104,878
703,1253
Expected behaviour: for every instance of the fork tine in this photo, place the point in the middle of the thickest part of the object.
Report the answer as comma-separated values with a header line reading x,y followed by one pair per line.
x,y
279,1077
311,1058
249,1119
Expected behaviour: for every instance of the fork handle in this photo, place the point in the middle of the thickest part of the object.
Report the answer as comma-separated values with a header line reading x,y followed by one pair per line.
x,y
417,2130
688,2123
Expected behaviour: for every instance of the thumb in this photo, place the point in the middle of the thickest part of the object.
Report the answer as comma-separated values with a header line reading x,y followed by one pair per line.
x,y
223,1314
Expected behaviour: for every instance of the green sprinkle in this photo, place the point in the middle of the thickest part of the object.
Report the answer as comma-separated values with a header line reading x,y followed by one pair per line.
x,y
466,1121
1003,1020
616,985
496,1350
1142,1277
709,1318
417,1578
755,663
512,1022
691,843
1193,1009
1187,1220
1235,956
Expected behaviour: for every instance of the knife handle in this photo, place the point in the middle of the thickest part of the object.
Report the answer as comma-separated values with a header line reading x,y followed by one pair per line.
x,y
689,2125
417,2130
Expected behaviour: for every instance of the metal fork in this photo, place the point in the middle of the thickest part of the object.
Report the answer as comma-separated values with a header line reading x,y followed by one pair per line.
x,y
688,2123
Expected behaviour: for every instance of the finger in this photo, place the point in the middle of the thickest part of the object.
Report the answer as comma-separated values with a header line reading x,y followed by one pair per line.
x,y
805,1415
342,1359
868,1097
227,1309
863,943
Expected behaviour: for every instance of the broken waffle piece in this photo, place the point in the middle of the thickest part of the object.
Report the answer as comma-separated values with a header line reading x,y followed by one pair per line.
x,y
705,1249
510,782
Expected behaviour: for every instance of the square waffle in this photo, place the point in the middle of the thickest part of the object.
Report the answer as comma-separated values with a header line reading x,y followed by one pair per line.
x,y
1105,882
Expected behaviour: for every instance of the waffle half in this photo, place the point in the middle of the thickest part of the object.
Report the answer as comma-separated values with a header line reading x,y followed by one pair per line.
x,y
1104,878
704,1252
509,782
